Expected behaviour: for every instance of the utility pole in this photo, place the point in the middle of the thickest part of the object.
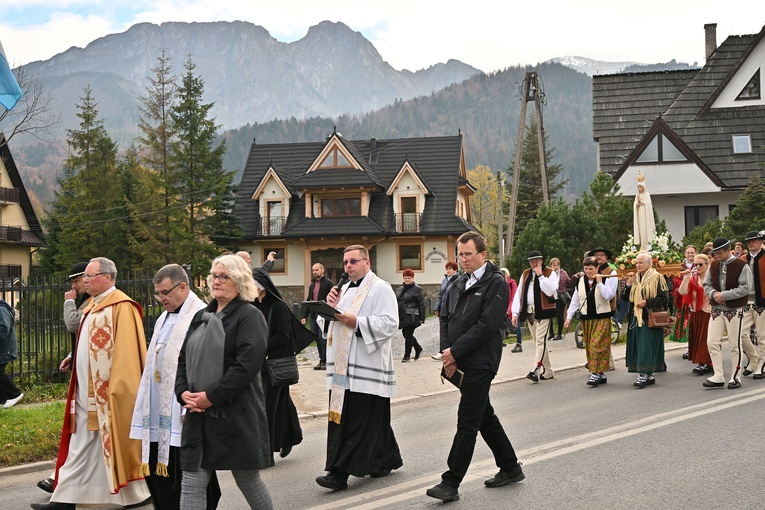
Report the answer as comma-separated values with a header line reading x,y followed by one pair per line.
x,y
531,92
500,185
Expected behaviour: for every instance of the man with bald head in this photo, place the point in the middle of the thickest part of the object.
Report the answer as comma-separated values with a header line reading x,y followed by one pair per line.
x,y
317,291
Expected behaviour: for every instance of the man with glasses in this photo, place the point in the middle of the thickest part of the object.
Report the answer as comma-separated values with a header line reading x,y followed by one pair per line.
x,y
157,414
360,375
477,304
98,463
754,311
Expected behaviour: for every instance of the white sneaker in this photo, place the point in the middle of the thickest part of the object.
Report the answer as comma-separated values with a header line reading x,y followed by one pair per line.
x,y
436,356
12,402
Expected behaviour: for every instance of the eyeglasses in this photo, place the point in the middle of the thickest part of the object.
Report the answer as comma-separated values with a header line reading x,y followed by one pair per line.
x,y
352,262
91,275
164,293
223,277
465,256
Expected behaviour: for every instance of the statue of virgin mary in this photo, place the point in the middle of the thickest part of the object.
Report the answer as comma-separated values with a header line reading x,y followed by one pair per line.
x,y
642,217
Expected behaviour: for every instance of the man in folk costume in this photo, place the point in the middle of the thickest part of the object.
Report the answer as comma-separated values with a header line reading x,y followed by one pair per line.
x,y
754,311
727,285
157,415
98,463
360,375
606,268
535,303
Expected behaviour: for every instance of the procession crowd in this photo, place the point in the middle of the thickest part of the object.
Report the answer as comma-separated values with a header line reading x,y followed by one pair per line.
x,y
211,391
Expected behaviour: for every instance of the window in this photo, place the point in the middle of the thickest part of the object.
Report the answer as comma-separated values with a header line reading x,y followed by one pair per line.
x,y
274,219
335,159
699,215
410,257
660,150
10,271
752,89
408,219
337,207
280,263
742,144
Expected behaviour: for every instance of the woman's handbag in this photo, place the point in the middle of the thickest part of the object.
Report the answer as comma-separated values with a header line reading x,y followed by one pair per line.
x,y
282,371
658,319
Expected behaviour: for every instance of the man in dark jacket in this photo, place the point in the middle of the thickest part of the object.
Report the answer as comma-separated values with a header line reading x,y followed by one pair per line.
x,y
477,304
317,291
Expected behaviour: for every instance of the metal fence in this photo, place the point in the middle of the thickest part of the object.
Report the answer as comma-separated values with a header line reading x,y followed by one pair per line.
x,y
43,340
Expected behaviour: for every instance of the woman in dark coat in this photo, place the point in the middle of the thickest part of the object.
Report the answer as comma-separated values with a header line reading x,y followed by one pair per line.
x,y
283,423
218,382
411,313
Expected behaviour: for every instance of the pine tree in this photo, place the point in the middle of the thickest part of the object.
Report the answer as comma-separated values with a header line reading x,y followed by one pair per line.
x,y
749,213
530,185
203,187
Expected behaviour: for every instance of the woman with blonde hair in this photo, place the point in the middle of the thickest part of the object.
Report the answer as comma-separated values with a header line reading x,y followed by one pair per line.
x,y
692,295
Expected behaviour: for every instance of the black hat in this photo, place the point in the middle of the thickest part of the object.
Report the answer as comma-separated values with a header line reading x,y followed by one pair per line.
x,y
534,255
77,270
720,243
592,252
752,236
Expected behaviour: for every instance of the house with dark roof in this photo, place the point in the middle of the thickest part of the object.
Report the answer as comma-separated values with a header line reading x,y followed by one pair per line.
x,y
406,200
698,136
20,230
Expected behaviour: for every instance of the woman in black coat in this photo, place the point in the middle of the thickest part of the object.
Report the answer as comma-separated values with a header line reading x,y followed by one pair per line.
x,y
411,313
218,382
283,423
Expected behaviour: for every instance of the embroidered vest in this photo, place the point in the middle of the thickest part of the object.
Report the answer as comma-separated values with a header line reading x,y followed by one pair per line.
x,y
733,271
758,270
544,305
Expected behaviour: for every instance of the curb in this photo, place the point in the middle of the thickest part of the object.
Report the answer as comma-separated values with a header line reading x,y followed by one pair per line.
x,y
22,469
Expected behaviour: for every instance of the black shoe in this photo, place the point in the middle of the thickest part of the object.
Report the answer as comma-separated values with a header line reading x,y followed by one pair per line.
x,y
417,353
443,492
333,481
686,355
405,360
532,376
321,366
710,384
380,474
650,381
734,385
543,378
580,344
747,373
505,477
285,451
139,505
53,506
758,376
702,369
517,348
46,485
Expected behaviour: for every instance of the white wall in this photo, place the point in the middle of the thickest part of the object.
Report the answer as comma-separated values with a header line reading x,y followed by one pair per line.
x,y
727,98
671,208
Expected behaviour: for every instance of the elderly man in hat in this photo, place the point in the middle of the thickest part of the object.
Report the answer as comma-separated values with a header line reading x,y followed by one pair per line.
x,y
753,311
534,303
727,285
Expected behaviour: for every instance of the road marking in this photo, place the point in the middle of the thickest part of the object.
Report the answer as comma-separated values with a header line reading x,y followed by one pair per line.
x,y
415,488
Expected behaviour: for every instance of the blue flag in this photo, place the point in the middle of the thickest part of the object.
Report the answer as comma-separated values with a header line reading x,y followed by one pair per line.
x,y
9,89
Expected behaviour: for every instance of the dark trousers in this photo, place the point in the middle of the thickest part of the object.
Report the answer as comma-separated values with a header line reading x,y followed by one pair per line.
x,y
321,342
166,490
560,307
410,341
475,414
8,388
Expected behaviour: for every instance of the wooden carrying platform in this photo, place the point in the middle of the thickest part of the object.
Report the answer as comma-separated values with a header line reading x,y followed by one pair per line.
x,y
666,270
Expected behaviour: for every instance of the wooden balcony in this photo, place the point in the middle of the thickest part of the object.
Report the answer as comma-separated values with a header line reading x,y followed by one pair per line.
x,y
10,234
9,196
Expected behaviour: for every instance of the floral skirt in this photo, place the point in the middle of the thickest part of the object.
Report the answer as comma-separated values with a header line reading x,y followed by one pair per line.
x,y
596,334
680,331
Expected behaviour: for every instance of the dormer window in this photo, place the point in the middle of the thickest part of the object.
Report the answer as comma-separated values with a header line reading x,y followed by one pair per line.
x,y
336,207
335,159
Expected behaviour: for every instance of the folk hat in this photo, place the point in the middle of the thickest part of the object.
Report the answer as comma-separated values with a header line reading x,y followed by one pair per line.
x,y
77,270
720,243
535,255
752,235
592,253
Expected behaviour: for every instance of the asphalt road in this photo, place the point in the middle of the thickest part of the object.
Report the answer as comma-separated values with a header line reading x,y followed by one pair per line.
x,y
674,445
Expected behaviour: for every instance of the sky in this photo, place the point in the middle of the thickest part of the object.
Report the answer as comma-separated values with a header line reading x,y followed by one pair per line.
x,y
412,34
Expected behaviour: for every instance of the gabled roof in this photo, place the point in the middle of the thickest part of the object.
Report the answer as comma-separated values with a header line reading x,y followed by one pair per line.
x,y
411,169
271,174
437,160
683,99
33,236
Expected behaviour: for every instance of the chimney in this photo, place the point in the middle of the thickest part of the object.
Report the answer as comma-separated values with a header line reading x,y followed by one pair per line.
x,y
710,38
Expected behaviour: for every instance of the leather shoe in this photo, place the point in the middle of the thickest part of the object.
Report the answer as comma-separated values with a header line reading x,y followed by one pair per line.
x,y
517,348
747,373
417,353
710,384
532,376
758,376
405,360
543,378
505,477
322,365
686,355
53,506
702,369
46,485
285,451
380,474
332,481
443,492
734,385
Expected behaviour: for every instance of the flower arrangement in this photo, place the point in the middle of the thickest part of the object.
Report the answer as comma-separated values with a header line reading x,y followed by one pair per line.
x,y
661,248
